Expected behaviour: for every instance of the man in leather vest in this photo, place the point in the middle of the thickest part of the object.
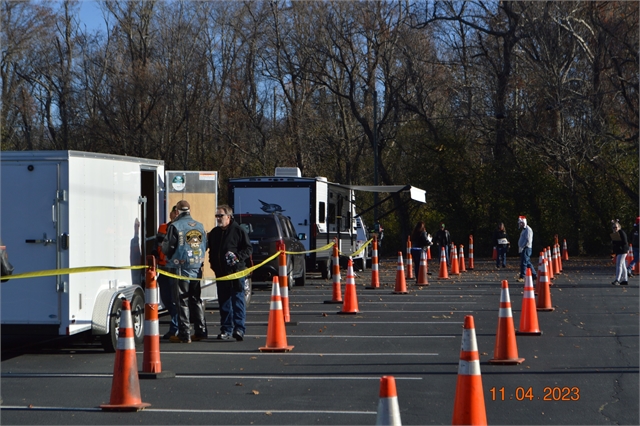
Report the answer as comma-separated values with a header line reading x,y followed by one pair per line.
x,y
185,245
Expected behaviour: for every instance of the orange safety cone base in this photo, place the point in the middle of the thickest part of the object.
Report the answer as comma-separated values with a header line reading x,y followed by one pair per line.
x,y
400,292
348,313
333,301
283,349
422,285
372,288
545,309
513,361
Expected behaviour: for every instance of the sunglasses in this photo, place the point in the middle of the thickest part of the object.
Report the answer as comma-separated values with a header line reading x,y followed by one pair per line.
x,y
220,215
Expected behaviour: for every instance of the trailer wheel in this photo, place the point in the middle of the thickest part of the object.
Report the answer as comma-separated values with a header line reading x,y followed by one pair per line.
x,y
248,290
137,317
110,341
300,281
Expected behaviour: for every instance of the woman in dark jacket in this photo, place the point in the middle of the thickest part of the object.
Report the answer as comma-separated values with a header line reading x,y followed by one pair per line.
x,y
420,240
620,246
501,242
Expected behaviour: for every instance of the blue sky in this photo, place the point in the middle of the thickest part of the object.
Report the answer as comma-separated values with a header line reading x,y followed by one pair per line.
x,y
91,15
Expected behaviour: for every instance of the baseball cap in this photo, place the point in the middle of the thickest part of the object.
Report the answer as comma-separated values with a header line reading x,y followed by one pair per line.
x,y
183,206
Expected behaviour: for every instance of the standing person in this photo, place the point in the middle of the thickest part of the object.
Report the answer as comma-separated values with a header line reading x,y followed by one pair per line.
x,y
229,248
420,240
501,242
635,241
166,283
185,246
620,246
524,248
443,239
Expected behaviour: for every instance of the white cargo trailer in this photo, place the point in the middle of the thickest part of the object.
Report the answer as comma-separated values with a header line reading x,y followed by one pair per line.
x,y
66,209
319,209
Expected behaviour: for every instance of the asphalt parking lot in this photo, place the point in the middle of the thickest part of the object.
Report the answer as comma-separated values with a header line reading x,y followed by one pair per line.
x,y
583,369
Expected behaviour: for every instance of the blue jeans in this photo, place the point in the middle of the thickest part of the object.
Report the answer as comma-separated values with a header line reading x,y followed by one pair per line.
x,y
636,253
416,253
165,283
502,256
525,262
232,306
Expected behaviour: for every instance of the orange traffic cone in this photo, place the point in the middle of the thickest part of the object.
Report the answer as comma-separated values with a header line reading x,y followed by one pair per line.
x,y
409,260
388,409
471,266
544,294
284,283
350,305
337,292
505,351
443,274
401,283
541,265
629,258
455,266
529,315
151,365
428,252
276,331
461,259
375,276
422,271
559,257
468,407
494,256
565,251
125,387
554,262
547,259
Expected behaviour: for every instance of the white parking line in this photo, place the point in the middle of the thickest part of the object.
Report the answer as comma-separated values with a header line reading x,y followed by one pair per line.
x,y
170,410
303,354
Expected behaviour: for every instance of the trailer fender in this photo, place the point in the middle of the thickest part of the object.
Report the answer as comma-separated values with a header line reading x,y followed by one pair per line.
x,y
104,304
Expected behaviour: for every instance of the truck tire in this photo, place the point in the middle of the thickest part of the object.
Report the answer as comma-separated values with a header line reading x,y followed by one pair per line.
x,y
325,269
290,279
302,279
248,290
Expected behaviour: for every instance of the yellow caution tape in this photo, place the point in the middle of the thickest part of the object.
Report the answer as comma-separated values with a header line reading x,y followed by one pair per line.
x,y
65,271
234,276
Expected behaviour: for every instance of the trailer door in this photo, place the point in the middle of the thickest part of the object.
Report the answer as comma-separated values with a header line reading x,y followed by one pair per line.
x,y
30,217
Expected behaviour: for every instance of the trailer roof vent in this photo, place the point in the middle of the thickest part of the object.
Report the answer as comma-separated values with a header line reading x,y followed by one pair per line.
x,y
321,179
288,171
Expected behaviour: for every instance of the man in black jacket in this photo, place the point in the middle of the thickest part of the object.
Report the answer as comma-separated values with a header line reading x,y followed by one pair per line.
x,y
229,248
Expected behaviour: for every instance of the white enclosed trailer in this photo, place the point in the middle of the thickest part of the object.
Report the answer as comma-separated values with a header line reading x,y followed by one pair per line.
x,y
319,209
67,209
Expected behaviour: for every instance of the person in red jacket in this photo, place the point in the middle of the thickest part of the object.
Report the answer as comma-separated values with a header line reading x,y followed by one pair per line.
x,y
164,282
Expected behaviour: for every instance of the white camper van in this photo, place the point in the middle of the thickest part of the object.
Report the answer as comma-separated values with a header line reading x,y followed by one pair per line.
x,y
66,209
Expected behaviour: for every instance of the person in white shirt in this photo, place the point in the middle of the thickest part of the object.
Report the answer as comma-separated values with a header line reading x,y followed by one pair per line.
x,y
524,248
